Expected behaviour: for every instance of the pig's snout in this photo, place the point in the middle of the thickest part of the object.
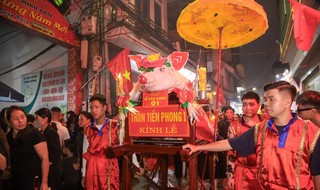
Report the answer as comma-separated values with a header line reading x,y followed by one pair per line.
x,y
142,79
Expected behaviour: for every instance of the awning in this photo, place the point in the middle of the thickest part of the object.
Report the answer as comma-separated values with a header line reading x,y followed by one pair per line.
x,y
8,94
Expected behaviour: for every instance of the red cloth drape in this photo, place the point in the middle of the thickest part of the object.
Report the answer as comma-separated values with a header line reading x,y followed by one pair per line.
x,y
305,21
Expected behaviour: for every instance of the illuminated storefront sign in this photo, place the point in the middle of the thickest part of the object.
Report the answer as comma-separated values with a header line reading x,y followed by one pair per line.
x,y
41,16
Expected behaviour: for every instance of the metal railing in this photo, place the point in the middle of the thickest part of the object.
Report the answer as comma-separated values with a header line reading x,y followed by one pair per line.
x,y
142,26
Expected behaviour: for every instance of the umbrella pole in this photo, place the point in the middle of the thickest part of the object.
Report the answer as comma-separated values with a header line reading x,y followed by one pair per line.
x,y
217,103
218,76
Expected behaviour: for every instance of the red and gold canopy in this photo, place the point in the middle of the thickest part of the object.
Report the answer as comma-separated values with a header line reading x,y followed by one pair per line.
x,y
241,21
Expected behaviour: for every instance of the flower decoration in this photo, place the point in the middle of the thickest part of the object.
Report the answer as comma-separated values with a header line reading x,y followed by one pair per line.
x,y
149,62
122,101
186,95
125,105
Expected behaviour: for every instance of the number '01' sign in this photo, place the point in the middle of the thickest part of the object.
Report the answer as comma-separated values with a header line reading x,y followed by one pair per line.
x,y
155,99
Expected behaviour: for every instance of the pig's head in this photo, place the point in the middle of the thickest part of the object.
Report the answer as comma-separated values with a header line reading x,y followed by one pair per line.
x,y
161,73
162,78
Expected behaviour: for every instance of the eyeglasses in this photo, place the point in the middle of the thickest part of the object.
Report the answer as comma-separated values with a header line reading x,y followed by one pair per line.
x,y
304,109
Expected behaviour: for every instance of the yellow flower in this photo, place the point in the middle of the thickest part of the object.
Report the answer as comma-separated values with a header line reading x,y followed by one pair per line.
x,y
154,57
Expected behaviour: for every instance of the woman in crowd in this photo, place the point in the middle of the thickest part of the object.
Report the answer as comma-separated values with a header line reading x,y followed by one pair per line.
x,y
71,169
49,130
28,152
72,125
3,122
85,119
5,181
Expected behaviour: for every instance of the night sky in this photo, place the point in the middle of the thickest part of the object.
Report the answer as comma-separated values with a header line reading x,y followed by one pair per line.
x,y
258,56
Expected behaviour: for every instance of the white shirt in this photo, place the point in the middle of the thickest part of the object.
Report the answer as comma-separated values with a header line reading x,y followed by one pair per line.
x,y
62,132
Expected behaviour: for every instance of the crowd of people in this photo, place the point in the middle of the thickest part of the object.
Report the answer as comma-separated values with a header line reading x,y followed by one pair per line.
x,y
277,149
40,151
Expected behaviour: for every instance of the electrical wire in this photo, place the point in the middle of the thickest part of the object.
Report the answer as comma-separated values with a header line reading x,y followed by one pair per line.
x,y
2,35
19,33
85,10
240,53
28,61
77,3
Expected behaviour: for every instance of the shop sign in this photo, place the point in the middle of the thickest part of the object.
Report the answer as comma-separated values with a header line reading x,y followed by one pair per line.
x,y
46,88
167,121
41,16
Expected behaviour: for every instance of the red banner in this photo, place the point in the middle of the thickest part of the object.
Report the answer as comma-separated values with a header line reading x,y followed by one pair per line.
x,y
120,69
305,21
168,121
41,16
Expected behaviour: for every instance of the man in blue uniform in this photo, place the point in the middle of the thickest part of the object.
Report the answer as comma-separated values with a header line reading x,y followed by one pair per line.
x,y
309,109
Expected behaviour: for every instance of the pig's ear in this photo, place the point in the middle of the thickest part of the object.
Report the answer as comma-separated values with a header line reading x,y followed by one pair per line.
x,y
178,59
137,59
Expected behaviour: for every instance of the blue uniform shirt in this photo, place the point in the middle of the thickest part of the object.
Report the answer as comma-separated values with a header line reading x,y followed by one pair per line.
x,y
244,145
